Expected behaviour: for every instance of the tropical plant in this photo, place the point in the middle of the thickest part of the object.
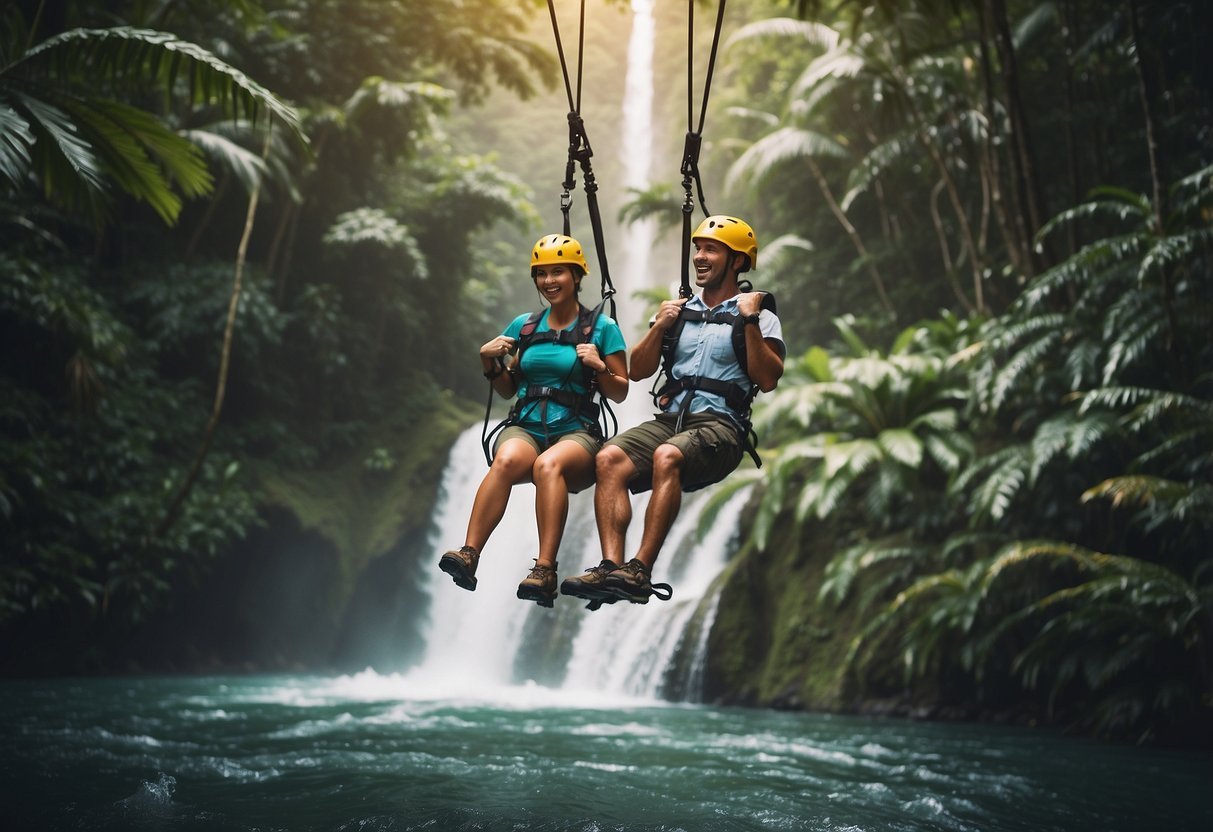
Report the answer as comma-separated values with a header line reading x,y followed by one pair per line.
x,y
63,132
879,433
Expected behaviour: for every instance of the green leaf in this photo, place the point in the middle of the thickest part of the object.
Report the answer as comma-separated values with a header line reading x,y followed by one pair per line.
x,y
902,445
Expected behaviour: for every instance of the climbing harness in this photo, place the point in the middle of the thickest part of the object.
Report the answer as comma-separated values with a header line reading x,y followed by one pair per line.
x,y
737,236
590,413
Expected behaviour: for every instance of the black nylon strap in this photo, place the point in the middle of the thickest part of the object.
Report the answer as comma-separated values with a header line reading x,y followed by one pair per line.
x,y
694,138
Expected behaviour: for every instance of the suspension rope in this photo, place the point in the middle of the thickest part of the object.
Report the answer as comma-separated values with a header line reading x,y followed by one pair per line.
x,y
694,138
580,153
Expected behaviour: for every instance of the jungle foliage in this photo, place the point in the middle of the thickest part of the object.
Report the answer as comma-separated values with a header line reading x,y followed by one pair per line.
x,y
242,209
232,227
1023,478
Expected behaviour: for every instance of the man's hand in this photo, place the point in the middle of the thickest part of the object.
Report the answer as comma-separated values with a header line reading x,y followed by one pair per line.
x,y
750,303
668,313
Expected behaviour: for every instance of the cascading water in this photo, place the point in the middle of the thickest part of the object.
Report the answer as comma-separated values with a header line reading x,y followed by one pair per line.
x,y
475,639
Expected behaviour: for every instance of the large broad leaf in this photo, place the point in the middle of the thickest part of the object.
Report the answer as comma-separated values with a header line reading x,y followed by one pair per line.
x,y
123,55
902,445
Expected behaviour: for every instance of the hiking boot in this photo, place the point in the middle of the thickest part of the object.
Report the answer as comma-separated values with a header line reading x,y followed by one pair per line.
x,y
591,584
630,582
540,585
461,566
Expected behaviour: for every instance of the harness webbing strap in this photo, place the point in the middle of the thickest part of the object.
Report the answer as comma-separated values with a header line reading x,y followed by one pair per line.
x,y
580,153
694,138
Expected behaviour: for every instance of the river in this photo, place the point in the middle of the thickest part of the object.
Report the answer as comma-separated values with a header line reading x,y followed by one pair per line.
x,y
370,752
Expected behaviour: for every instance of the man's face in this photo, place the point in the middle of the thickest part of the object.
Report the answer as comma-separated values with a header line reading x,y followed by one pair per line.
x,y
712,259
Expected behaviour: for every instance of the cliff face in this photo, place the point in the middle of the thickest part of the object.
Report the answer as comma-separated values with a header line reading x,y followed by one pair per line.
x,y
329,579
774,644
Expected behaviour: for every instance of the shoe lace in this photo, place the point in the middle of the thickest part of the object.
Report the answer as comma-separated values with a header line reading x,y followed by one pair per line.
x,y
635,568
540,571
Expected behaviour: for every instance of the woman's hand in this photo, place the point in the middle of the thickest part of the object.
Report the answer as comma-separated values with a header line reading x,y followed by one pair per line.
x,y
588,353
499,347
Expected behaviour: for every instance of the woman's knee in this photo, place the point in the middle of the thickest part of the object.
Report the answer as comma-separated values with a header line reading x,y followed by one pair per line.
x,y
547,469
512,463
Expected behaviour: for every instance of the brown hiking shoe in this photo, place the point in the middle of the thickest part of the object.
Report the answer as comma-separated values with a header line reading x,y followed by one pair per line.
x,y
461,566
540,585
630,582
591,585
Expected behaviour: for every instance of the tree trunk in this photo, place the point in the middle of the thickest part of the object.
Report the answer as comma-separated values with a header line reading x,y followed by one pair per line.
x,y
1070,24
853,234
1148,97
1021,138
1146,94
174,509
1018,249
948,266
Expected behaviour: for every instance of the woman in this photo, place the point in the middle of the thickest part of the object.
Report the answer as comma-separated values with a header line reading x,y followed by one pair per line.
x,y
552,434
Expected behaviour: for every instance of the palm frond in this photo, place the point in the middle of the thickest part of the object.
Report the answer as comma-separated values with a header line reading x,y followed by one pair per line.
x,y
246,166
1021,366
875,162
16,139
1002,476
116,131
846,567
837,63
1041,19
1136,490
787,144
1068,435
67,163
124,54
811,33
1124,206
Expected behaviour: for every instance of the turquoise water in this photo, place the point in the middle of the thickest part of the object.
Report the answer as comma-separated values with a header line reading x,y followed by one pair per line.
x,y
372,752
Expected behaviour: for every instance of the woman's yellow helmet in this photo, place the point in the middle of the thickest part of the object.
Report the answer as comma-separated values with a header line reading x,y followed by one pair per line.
x,y
732,232
558,248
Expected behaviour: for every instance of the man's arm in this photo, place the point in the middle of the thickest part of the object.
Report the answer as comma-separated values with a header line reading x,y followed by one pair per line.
x,y
646,355
764,364
764,358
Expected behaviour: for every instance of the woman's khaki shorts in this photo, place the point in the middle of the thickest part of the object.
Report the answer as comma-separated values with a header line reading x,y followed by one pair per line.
x,y
710,444
582,437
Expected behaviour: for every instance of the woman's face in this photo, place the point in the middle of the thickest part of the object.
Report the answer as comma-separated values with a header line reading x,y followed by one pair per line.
x,y
556,283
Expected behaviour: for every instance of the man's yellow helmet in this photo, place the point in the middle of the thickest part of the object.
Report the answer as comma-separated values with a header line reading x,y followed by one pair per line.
x,y
732,232
558,248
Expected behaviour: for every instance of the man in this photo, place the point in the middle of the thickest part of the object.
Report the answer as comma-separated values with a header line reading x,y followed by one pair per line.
x,y
718,348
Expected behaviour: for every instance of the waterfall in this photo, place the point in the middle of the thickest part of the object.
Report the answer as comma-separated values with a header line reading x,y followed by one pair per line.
x,y
472,636
476,640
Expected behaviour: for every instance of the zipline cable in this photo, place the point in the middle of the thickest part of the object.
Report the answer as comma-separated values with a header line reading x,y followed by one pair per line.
x,y
580,153
694,138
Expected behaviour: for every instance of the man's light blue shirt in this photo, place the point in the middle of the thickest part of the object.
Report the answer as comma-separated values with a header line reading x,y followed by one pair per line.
x,y
706,349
